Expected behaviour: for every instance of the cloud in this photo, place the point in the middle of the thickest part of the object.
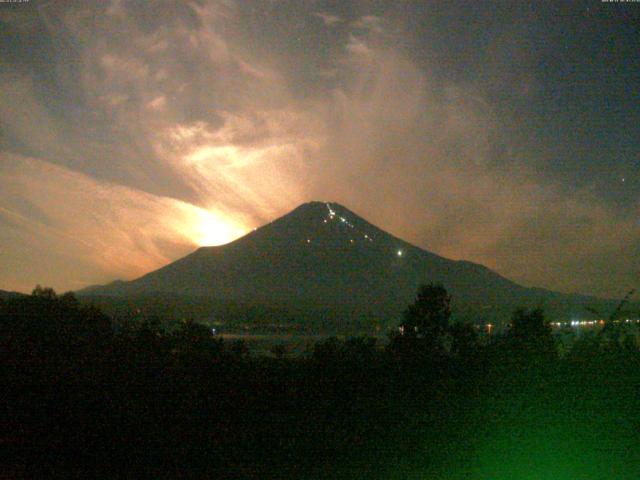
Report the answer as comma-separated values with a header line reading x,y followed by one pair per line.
x,y
183,127
421,152
370,23
328,19
52,216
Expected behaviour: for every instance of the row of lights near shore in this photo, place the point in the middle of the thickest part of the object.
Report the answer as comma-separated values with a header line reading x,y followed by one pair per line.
x,y
593,323
574,324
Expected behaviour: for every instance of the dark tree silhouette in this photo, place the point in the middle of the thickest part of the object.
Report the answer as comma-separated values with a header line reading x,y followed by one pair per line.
x,y
327,351
239,348
464,339
279,351
529,325
611,333
531,334
428,316
425,325
194,336
44,292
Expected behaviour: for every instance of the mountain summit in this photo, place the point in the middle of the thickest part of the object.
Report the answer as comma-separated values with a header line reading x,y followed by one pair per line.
x,y
323,258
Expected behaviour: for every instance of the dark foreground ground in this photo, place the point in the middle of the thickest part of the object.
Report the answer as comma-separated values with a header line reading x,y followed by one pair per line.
x,y
80,401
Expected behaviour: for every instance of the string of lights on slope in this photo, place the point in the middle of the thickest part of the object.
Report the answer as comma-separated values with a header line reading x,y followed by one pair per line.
x,y
332,216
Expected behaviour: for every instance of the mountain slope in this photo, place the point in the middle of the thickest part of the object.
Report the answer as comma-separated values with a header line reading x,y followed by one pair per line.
x,y
323,257
5,295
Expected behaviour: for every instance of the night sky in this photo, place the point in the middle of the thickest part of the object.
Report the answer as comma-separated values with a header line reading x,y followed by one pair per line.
x,y
504,133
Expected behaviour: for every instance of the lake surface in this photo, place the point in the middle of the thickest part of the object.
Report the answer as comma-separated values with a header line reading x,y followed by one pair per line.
x,y
293,344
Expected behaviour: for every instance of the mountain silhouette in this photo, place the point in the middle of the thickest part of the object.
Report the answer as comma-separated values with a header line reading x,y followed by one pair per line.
x,y
5,295
323,258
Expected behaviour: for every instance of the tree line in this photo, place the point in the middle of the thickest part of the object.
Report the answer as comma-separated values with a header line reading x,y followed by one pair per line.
x,y
88,395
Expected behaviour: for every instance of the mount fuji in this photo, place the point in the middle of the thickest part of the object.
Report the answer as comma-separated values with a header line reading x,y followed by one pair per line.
x,y
321,263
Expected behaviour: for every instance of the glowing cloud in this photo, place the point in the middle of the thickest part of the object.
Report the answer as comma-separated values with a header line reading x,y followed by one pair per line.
x,y
212,229
83,231
177,125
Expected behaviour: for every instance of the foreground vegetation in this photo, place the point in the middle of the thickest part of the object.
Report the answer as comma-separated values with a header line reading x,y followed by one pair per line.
x,y
88,397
